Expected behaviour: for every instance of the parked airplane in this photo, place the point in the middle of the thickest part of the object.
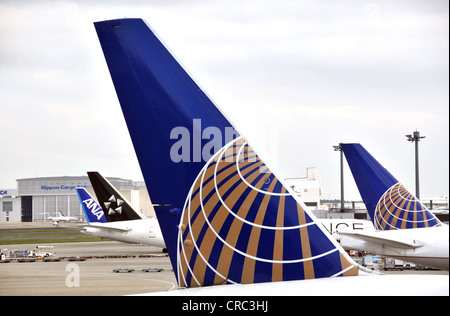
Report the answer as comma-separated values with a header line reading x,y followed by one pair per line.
x,y
225,217
62,218
116,221
406,229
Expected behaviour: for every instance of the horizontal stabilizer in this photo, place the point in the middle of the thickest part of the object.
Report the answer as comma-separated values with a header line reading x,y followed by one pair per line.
x,y
107,226
382,240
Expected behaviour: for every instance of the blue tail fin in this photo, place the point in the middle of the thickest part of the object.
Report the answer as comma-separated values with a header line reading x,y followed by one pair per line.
x,y
389,204
92,211
225,216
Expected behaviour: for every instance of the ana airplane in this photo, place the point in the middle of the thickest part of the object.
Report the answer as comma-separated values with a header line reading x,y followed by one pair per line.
x,y
405,228
117,220
227,220
62,218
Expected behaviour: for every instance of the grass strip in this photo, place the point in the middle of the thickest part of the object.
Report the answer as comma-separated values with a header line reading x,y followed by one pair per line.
x,y
49,240
43,236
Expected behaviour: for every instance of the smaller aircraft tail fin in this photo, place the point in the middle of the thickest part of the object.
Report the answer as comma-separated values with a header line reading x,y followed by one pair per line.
x,y
115,206
389,204
93,212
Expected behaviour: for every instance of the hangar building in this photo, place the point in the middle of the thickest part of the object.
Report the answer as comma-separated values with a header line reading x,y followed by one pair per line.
x,y
35,199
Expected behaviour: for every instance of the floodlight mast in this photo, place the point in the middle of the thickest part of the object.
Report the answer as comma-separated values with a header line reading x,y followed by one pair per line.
x,y
339,148
415,138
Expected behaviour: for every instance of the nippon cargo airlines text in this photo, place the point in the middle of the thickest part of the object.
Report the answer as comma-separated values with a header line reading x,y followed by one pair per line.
x,y
232,305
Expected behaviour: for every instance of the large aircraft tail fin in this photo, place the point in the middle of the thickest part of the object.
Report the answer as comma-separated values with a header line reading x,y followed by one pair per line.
x,y
389,204
225,217
115,206
92,211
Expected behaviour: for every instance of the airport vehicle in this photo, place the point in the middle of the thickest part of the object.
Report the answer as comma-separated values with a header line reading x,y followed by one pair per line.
x,y
405,228
123,270
43,252
4,256
152,270
38,253
227,220
138,231
62,218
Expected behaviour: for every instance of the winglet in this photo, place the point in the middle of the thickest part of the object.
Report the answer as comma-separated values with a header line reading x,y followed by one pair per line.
x,y
225,217
389,204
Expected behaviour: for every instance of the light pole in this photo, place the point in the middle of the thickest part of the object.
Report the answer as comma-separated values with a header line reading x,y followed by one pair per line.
x,y
339,148
415,137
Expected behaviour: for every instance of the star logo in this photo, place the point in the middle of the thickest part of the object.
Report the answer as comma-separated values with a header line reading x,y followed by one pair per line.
x,y
114,205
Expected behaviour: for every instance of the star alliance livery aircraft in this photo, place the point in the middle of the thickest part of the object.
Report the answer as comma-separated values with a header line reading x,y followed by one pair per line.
x,y
407,230
226,218
117,220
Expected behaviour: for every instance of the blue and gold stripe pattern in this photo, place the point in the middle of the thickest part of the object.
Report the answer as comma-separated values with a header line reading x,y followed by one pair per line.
x,y
399,209
240,225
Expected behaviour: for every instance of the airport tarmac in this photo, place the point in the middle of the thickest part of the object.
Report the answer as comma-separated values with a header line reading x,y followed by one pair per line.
x,y
92,277
95,276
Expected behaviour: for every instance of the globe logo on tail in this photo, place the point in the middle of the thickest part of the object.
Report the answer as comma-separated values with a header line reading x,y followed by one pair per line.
x,y
399,209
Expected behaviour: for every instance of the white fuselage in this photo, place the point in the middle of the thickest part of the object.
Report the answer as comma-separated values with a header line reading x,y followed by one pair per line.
x,y
431,245
363,285
140,231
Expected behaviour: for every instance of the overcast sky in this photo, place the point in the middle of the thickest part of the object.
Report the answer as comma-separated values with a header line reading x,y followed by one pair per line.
x,y
295,77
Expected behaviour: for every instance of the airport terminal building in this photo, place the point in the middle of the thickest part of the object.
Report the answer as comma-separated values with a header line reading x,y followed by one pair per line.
x,y
35,199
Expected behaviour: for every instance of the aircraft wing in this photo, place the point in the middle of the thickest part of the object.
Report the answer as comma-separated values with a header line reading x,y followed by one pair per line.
x,y
382,240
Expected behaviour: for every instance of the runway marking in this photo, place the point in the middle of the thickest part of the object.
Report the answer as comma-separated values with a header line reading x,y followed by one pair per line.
x,y
172,284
